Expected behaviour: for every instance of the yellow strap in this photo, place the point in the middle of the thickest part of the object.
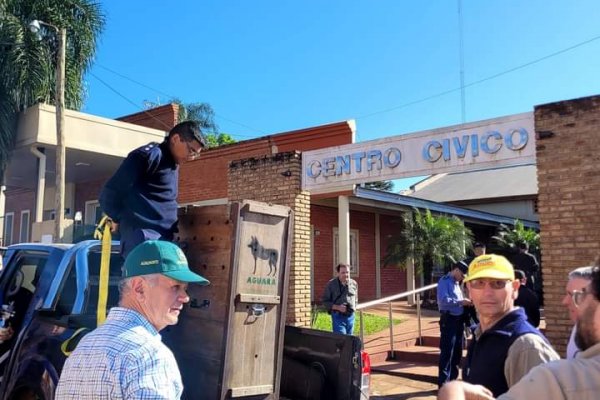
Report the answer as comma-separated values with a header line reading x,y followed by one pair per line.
x,y
65,345
103,232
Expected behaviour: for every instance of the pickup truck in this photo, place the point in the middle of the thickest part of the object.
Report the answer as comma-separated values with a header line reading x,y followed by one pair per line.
x,y
61,286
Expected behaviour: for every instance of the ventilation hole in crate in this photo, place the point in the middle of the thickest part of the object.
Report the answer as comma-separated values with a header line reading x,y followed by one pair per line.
x,y
222,267
212,238
194,238
204,266
208,222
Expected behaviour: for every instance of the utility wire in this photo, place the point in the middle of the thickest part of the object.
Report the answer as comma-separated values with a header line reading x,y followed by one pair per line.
x,y
424,99
174,97
147,112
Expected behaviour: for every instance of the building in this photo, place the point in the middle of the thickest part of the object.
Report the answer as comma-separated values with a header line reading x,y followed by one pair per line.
x,y
314,171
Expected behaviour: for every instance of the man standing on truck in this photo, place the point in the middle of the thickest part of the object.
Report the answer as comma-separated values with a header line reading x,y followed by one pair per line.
x,y
125,357
340,298
141,197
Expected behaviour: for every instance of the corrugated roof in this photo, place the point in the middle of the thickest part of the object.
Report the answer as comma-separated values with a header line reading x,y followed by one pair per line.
x,y
422,204
488,184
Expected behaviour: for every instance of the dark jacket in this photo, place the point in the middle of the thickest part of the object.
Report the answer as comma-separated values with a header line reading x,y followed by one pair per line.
x,y
143,191
337,293
529,302
486,355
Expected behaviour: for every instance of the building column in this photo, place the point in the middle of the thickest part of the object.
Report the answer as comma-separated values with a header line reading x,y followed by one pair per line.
x,y
410,276
41,183
343,230
377,258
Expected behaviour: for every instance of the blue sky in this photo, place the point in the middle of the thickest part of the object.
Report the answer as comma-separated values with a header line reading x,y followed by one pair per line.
x,y
277,65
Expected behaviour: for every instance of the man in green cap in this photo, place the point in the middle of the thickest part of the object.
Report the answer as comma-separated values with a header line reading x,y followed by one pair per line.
x,y
125,357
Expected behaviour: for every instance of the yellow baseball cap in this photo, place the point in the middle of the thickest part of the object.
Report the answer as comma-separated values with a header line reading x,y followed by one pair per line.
x,y
490,266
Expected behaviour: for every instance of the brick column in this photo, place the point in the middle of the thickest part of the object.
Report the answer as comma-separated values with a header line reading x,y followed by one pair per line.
x,y
568,164
277,179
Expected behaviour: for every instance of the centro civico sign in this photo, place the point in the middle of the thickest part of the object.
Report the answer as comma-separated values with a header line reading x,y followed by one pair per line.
x,y
478,145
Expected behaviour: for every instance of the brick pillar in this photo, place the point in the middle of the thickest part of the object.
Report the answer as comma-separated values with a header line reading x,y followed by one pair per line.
x,y
568,165
277,179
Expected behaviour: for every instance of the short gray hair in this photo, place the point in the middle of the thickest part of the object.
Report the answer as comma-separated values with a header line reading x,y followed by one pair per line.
x,y
582,273
125,284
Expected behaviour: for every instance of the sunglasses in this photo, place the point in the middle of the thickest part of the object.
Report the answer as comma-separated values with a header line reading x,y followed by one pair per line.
x,y
496,284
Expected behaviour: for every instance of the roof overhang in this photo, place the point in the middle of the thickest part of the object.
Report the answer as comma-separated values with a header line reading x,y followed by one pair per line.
x,y
95,146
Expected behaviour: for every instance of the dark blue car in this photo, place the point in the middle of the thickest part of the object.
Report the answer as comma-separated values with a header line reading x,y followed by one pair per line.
x,y
47,293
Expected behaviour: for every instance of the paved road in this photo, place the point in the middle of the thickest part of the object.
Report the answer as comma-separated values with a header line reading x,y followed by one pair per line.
x,y
389,387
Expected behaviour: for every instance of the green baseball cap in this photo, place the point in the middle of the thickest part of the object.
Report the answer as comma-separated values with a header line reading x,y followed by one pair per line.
x,y
160,257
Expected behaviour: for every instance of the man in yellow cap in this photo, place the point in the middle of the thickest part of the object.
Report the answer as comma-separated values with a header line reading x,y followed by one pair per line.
x,y
505,346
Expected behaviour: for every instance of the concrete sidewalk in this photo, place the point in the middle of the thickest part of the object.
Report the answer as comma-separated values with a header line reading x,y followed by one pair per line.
x,y
403,378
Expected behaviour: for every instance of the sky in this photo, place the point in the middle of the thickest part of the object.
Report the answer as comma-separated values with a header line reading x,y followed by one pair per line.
x,y
394,66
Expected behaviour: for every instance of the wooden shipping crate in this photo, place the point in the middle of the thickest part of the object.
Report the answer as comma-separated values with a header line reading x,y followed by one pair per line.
x,y
229,339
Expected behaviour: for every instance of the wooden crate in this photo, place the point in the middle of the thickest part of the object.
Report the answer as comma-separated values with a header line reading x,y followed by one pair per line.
x,y
229,340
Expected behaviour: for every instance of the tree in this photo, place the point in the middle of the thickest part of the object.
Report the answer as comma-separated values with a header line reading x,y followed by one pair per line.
x,y
204,115
28,65
429,240
509,238
385,186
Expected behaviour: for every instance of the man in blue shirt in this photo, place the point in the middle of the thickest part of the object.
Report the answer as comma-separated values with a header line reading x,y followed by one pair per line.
x,y
451,302
125,357
141,197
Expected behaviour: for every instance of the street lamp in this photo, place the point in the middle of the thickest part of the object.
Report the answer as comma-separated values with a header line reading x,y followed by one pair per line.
x,y
59,213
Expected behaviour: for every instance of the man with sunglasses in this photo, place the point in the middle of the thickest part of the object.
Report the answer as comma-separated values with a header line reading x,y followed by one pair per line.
x,y
576,379
505,346
141,197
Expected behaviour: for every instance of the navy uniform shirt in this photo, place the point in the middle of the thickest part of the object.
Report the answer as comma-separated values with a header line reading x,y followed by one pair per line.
x,y
143,192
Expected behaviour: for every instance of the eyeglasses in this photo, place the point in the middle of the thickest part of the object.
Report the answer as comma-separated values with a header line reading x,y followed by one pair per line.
x,y
495,284
191,151
578,296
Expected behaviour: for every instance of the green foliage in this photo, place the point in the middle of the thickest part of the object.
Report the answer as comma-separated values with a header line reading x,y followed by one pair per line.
x,y
204,115
219,139
428,240
385,186
373,323
509,237
28,65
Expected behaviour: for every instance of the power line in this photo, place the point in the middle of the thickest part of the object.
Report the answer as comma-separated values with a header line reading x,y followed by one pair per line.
x,y
174,97
424,99
147,112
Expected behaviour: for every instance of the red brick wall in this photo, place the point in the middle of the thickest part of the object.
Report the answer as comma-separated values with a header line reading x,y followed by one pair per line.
x,y
18,200
206,177
569,189
162,118
393,279
324,219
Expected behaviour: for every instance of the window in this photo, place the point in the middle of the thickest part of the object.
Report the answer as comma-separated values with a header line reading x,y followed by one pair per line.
x,y
353,251
93,212
24,230
8,228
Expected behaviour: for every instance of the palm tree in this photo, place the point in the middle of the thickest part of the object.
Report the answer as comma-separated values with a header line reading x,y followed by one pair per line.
x,y
509,238
429,240
27,65
204,115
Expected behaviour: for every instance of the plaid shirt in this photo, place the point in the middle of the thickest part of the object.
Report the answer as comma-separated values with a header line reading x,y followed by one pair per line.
x,y
122,359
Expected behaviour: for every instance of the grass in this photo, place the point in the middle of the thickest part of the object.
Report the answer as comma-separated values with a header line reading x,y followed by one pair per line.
x,y
373,323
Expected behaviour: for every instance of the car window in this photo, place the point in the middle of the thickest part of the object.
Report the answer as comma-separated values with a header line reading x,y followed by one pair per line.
x,y
116,262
